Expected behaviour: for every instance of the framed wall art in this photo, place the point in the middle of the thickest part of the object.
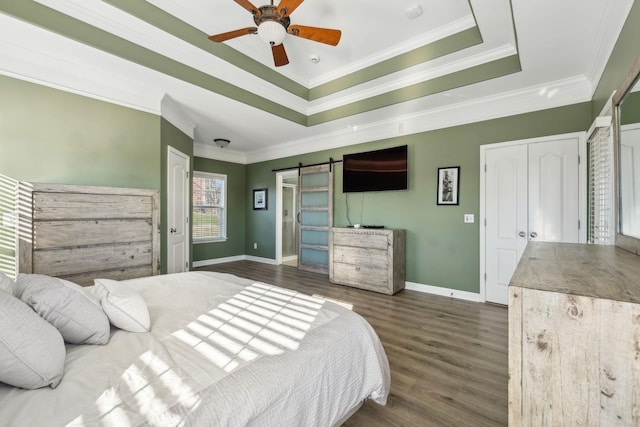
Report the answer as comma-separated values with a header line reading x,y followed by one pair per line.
x,y
260,199
448,185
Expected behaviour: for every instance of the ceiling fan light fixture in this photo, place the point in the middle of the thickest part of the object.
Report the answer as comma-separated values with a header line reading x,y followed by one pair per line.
x,y
221,142
272,32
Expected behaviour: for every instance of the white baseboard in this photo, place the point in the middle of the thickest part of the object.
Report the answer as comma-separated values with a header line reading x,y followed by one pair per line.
x,y
269,261
445,292
419,287
206,262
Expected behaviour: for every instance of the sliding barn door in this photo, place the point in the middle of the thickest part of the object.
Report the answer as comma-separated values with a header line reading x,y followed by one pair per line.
x,y
315,217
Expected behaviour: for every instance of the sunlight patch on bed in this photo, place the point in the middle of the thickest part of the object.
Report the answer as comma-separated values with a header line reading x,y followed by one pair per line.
x,y
152,386
260,320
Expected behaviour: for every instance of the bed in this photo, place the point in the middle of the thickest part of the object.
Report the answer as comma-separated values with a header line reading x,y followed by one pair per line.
x,y
221,350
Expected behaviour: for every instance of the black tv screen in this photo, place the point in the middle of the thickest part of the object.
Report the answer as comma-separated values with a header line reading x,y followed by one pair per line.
x,y
379,170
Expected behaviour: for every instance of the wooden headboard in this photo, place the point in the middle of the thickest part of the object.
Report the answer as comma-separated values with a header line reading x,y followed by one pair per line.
x,y
81,233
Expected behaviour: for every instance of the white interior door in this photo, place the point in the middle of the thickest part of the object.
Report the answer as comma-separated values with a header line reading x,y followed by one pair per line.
x,y
531,192
506,228
177,211
554,197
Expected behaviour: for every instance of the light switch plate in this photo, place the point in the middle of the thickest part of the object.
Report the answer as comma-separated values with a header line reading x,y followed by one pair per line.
x,y
469,218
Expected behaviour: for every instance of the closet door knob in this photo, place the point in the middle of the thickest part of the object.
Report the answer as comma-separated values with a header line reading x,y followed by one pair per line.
x,y
534,235
522,234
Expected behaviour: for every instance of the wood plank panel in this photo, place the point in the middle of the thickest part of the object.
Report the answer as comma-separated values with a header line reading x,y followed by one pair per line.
x,y
448,358
361,238
363,277
65,206
361,256
87,278
93,258
56,234
63,227
578,350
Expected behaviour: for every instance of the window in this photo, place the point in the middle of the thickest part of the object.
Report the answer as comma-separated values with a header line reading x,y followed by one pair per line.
x,y
209,219
601,187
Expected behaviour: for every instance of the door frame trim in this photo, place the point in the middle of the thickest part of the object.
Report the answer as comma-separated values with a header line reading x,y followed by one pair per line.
x,y
582,196
279,181
174,151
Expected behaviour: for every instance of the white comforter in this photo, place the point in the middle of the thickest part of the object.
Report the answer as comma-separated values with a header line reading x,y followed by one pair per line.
x,y
222,351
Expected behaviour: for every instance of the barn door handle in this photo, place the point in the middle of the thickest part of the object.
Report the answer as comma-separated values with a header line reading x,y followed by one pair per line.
x,y
298,217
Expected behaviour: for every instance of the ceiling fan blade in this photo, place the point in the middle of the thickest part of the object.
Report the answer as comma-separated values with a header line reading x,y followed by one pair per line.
x,y
279,55
289,6
249,6
233,34
322,35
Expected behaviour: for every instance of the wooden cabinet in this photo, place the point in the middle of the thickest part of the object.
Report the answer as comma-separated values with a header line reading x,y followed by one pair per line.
x,y
574,337
371,259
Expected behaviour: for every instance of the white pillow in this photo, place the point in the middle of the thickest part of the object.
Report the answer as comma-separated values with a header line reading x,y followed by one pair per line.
x,y
75,313
124,306
32,351
6,283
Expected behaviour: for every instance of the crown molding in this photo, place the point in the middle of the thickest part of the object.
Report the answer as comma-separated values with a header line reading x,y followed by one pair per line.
x,y
413,75
175,114
209,151
51,67
430,37
607,35
535,98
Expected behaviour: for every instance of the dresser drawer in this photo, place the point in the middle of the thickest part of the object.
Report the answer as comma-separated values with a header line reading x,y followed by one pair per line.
x,y
362,239
360,276
361,256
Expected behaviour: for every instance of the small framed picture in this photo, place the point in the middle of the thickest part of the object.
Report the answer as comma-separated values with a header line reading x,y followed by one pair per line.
x,y
448,185
260,199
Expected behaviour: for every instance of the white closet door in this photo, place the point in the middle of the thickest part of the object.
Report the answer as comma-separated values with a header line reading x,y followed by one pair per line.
x,y
506,214
553,191
531,193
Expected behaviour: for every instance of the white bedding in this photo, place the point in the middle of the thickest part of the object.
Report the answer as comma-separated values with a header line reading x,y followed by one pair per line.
x,y
222,351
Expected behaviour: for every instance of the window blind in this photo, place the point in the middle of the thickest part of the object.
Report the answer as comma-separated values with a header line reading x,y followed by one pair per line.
x,y
601,187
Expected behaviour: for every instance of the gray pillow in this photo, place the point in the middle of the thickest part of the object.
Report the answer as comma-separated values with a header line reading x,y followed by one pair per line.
x,y
76,314
6,283
32,351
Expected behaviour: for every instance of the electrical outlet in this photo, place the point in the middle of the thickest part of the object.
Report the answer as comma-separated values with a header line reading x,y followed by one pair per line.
x,y
255,245
469,218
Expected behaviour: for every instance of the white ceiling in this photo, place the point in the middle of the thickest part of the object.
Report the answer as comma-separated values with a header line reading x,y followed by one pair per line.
x,y
562,46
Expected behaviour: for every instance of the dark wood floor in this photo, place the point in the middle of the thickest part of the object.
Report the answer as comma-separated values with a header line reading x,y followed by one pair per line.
x,y
448,358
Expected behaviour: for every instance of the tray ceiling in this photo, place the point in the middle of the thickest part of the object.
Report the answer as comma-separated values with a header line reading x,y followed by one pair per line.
x,y
459,61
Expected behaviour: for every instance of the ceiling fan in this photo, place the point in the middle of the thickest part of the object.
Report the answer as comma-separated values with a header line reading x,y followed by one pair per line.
x,y
273,24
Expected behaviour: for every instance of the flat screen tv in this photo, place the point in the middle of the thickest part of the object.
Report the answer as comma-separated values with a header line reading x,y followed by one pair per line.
x,y
379,170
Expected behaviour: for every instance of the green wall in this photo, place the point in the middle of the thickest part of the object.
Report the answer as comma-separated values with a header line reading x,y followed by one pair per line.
x,y
236,210
441,249
47,135
625,53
